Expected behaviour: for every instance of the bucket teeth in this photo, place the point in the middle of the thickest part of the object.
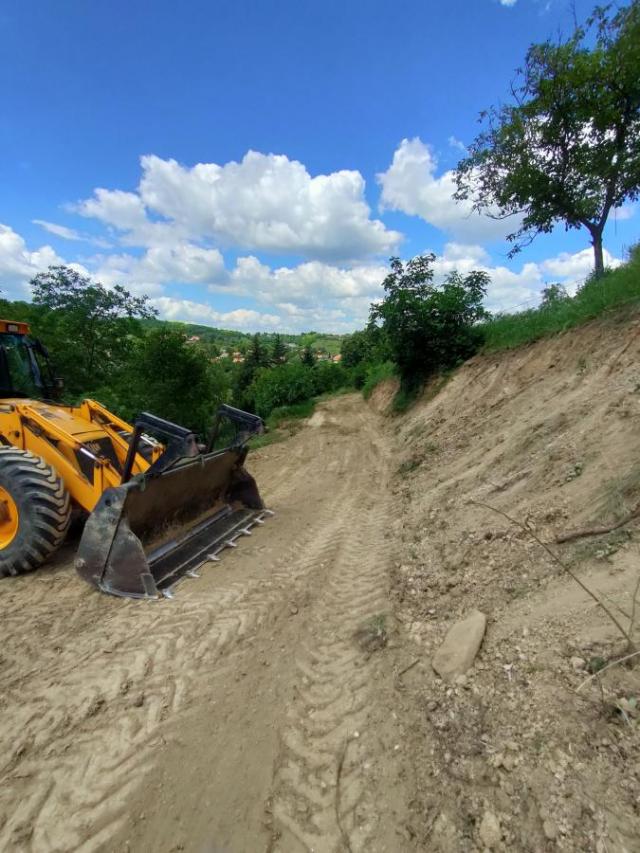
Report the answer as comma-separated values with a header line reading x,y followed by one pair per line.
x,y
192,573
168,592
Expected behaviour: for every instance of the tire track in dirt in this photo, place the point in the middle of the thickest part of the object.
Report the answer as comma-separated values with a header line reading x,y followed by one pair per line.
x,y
323,798
114,679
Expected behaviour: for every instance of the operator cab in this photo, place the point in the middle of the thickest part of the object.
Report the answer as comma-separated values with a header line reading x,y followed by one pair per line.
x,y
24,363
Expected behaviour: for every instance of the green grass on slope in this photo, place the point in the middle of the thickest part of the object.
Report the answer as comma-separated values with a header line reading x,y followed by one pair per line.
x,y
615,289
376,374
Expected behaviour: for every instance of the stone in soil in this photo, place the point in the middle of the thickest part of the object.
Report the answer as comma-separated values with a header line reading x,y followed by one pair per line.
x,y
460,646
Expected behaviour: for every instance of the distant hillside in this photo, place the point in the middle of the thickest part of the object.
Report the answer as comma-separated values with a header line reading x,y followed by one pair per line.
x,y
232,339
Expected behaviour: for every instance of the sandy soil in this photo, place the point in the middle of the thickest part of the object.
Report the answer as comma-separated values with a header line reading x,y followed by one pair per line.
x,y
248,713
285,700
526,749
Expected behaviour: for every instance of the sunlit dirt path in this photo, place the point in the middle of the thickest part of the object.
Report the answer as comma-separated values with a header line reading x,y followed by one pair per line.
x,y
246,714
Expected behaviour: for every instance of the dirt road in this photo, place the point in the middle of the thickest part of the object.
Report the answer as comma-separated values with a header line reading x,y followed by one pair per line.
x,y
249,713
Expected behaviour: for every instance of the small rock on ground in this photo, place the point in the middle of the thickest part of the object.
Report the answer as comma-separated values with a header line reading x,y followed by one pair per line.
x,y
460,646
489,832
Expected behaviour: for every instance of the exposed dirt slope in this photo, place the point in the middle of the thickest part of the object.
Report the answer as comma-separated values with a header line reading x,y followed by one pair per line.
x,y
250,712
549,434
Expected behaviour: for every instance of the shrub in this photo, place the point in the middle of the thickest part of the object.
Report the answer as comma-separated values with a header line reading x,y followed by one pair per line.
x,y
281,386
328,377
429,328
377,373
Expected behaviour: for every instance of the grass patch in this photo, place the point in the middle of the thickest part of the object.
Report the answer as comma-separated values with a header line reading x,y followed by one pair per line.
x,y
617,288
404,399
339,392
621,494
294,412
280,423
265,440
376,374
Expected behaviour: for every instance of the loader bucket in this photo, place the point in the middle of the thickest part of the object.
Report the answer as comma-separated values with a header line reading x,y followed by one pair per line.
x,y
146,534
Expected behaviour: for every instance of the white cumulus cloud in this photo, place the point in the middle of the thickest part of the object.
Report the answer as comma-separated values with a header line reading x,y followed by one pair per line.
x,y
199,312
18,264
412,186
183,263
310,295
266,202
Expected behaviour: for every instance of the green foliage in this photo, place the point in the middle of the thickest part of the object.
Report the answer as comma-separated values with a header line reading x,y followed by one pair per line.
x,y
375,374
598,295
171,379
109,345
307,357
404,399
281,386
568,149
553,294
329,377
429,328
294,412
257,357
278,350
366,346
91,330
280,423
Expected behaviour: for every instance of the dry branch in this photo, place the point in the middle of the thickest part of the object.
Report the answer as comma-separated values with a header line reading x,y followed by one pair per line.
x,y
570,535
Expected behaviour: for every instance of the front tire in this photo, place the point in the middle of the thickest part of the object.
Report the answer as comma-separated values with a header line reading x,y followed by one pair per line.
x,y
35,511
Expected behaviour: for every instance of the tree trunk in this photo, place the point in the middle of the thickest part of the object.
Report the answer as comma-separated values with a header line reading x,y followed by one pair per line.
x,y
596,241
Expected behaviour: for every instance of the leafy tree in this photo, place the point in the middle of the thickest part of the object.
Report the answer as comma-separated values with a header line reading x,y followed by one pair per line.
x,y
256,357
278,350
307,357
367,345
429,328
328,377
89,328
568,149
257,354
281,386
553,294
171,379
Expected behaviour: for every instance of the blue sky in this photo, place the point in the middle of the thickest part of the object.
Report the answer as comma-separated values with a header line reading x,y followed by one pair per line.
x,y
254,164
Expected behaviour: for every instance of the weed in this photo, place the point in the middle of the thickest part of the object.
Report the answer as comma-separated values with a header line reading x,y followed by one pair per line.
x,y
265,440
404,399
574,472
595,664
409,465
621,493
372,635
600,549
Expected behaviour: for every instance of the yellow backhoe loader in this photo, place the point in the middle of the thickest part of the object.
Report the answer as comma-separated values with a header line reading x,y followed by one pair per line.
x,y
157,504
